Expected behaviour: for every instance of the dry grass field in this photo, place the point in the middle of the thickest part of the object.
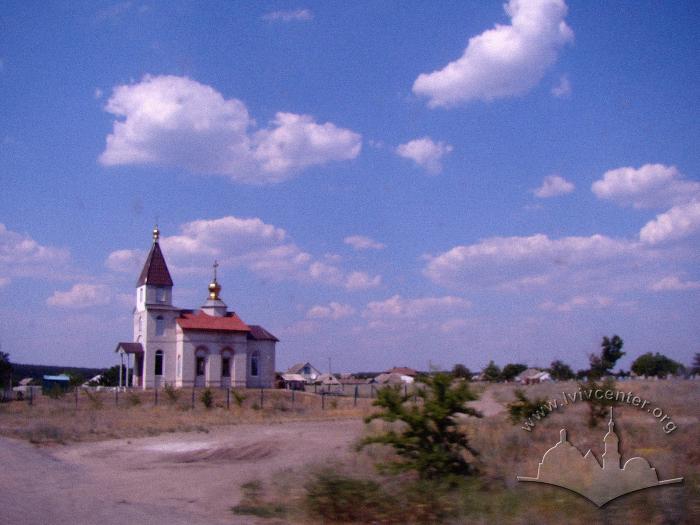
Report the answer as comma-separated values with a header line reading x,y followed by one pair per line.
x,y
97,416
320,477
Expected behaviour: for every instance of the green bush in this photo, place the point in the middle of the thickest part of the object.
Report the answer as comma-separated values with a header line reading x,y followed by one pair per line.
x,y
238,397
207,398
430,442
523,407
333,497
172,394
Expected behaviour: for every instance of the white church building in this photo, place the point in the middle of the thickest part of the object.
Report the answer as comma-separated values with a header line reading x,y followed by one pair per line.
x,y
210,347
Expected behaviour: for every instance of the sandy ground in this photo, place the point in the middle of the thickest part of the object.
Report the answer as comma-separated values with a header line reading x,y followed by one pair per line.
x,y
180,478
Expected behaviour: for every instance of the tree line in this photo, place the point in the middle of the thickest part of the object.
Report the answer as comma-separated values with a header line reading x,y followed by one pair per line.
x,y
600,365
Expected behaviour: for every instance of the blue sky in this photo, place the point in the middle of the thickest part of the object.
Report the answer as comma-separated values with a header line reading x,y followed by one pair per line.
x,y
383,183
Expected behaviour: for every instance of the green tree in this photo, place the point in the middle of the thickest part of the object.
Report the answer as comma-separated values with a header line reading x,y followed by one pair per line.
x,y
598,409
610,352
511,371
696,364
429,440
5,370
657,365
461,371
561,371
110,377
492,372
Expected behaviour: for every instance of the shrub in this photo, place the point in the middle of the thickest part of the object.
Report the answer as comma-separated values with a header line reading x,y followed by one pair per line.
x,y
172,394
431,442
238,397
207,398
252,503
598,409
334,497
523,407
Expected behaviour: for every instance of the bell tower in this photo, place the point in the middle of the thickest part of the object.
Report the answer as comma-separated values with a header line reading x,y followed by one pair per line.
x,y
155,286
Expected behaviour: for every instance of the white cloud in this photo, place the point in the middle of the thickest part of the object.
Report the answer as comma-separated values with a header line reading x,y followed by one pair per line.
x,y
81,295
397,307
505,61
291,15
250,243
178,122
454,325
22,256
333,311
576,265
362,281
538,248
553,186
673,283
361,242
127,261
425,153
563,88
296,142
677,223
650,186
578,302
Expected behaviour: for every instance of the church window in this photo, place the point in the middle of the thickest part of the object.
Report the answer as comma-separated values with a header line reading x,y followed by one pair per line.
x,y
254,364
160,325
140,324
226,367
179,366
200,365
140,295
159,362
160,294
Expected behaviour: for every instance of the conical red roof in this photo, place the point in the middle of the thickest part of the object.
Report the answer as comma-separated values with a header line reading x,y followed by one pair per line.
x,y
155,271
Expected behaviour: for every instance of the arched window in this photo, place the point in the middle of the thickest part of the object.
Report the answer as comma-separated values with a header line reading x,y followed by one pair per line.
x,y
160,294
200,360
140,324
254,364
179,365
159,362
160,325
226,362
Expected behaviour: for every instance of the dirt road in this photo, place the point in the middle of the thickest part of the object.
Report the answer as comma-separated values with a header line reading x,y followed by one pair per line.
x,y
181,478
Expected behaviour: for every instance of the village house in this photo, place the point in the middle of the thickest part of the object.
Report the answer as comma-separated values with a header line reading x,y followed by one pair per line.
x,y
210,347
533,376
306,370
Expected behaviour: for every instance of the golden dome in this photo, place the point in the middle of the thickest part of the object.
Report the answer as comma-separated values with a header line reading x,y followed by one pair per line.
x,y
214,286
214,289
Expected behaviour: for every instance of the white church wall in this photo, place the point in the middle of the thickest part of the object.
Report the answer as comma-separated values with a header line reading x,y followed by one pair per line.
x,y
266,364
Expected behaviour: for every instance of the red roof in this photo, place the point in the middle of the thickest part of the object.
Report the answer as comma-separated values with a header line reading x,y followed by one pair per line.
x,y
201,321
258,333
155,271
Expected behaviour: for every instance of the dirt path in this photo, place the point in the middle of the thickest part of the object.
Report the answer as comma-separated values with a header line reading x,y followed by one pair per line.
x,y
182,478
176,479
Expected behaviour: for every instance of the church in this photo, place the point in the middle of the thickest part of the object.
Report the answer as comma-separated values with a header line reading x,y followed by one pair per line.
x,y
209,347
